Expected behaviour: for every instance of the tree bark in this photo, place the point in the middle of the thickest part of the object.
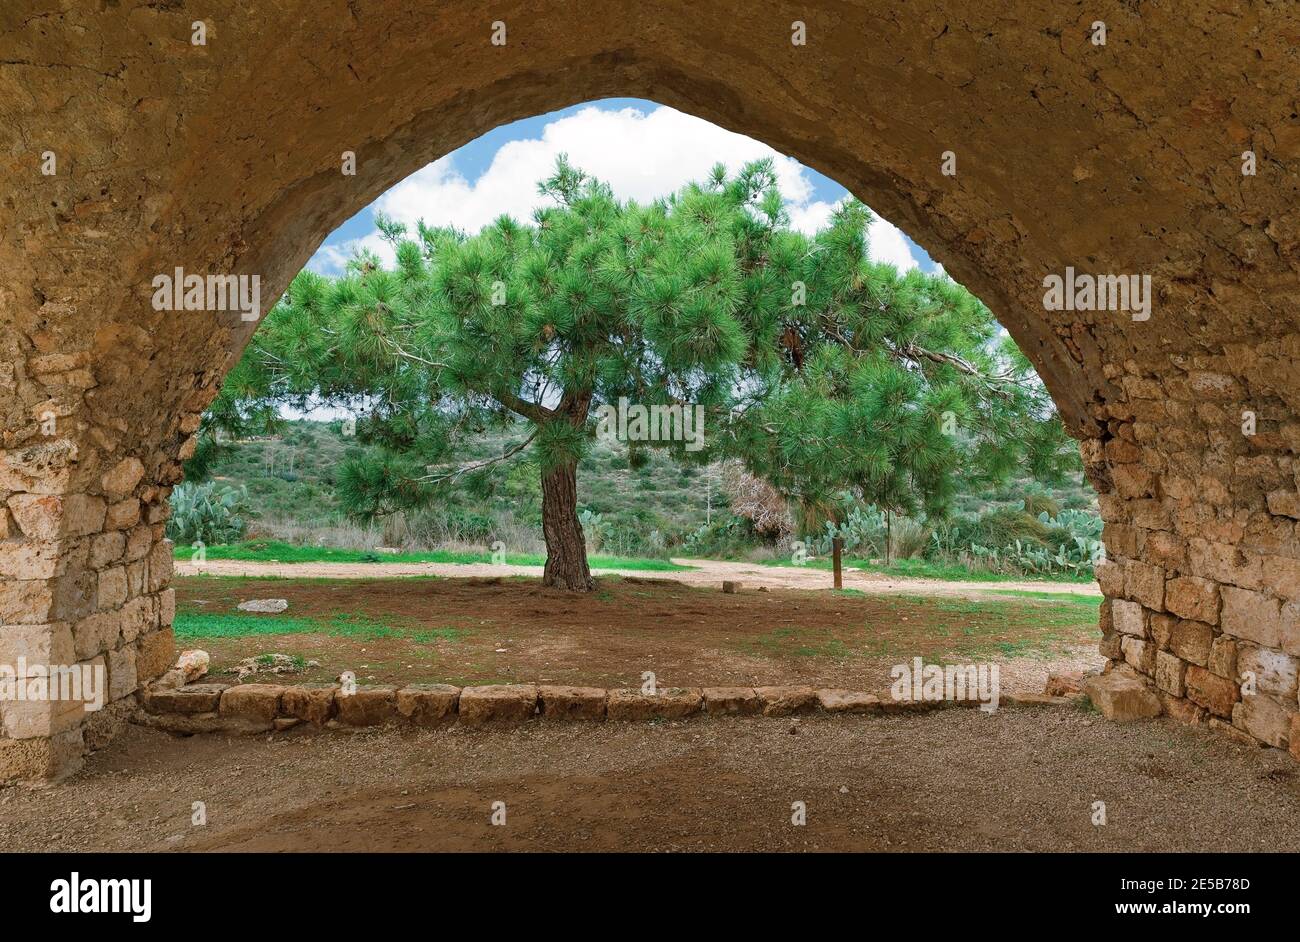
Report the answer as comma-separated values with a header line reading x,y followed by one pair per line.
x,y
566,544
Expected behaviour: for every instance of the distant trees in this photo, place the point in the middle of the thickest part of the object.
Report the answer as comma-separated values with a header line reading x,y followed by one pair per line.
x,y
820,370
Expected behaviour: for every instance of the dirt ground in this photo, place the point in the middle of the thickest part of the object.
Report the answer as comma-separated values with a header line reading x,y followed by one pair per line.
x,y
954,780
706,572
474,631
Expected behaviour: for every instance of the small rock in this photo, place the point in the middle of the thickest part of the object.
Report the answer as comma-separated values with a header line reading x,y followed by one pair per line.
x,y
193,664
1121,698
264,606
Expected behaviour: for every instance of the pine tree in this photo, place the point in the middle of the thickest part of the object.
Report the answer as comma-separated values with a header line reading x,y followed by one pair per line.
x,y
823,371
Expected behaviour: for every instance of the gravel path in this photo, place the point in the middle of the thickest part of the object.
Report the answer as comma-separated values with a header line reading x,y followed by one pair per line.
x,y
707,572
953,780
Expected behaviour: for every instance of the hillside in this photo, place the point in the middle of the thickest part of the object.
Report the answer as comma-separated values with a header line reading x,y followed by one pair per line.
x,y
650,510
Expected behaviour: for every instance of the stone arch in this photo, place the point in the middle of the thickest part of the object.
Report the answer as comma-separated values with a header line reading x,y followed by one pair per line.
x,y
224,157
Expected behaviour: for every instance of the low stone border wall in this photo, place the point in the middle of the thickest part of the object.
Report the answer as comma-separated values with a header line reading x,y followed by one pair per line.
x,y
258,708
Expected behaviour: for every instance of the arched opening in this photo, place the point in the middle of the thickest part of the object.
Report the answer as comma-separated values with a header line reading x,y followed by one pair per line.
x,y
794,275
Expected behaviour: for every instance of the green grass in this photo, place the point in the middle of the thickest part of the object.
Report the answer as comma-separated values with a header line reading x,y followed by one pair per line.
x,y
928,569
1051,615
1062,598
798,641
198,625
273,551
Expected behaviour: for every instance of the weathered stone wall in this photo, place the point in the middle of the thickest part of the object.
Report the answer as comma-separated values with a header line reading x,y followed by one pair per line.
x,y
1203,580
225,158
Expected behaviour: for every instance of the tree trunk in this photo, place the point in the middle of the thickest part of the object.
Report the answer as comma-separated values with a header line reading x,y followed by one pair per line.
x,y
889,538
566,545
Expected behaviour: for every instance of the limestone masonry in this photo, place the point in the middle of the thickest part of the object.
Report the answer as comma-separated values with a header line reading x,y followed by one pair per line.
x,y
224,159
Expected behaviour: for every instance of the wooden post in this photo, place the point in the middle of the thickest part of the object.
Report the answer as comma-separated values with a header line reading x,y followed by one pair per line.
x,y
837,558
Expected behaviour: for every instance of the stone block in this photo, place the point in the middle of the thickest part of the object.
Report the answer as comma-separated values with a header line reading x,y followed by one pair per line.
x,y
54,517
1139,654
848,701
1064,684
1282,576
192,698
1145,583
1161,628
121,672
1121,698
26,601
111,591
1110,576
1223,657
428,704
260,702
498,703
36,644
122,515
122,478
571,703
1183,710
96,634
31,559
1193,598
1191,641
1130,618
42,759
669,703
106,548
1274,672
155,652
786,700
1217,694
367,706
1169,673
1252,616
314,703
731,701
1236,735
1265,719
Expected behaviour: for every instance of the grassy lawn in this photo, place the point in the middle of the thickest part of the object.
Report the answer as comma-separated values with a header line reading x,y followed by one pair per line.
x,y
269,551
205,626
926,569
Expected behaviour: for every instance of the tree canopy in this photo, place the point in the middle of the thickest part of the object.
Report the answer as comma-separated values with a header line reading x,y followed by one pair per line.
x,y
823,371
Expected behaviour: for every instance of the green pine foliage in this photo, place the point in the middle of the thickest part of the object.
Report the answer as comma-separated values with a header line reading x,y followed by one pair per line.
x,y
829,375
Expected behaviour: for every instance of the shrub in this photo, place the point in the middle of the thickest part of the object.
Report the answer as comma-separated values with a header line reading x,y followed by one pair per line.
x,y
201,512
1039,503
756,501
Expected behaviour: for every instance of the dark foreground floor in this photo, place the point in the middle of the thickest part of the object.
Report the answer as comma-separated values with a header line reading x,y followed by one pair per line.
x,y
950,780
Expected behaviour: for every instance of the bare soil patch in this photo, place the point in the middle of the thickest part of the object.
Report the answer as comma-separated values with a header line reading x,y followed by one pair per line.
x,y
955,779
477,631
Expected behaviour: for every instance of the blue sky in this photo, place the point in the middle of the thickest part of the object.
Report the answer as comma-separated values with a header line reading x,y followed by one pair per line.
x,y
643,149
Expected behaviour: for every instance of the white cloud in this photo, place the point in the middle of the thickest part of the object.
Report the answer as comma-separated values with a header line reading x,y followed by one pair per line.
x,y
888,244
330,259
642,155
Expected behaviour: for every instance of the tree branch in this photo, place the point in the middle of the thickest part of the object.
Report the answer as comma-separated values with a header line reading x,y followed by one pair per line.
x,y
476,465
